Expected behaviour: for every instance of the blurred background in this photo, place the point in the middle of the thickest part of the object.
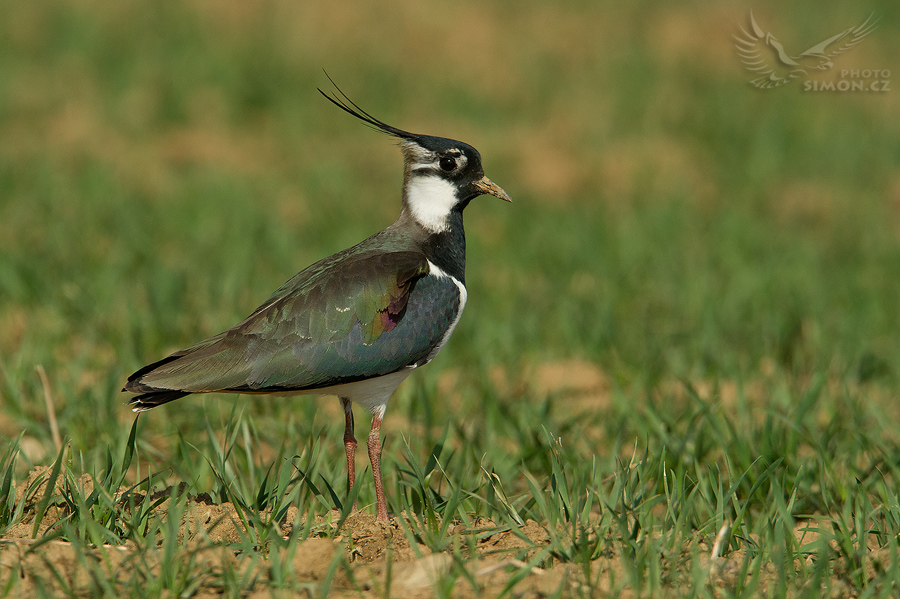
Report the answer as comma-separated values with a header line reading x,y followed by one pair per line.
x,y
164,166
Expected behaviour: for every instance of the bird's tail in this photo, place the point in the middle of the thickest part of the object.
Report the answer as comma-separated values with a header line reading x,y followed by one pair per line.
x,y
150,397
142,403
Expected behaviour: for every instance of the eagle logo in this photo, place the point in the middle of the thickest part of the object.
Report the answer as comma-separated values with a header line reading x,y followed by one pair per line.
x,y
765,57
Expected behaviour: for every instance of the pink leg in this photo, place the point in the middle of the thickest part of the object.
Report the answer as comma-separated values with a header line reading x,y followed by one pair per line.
x,y
349,443
374,445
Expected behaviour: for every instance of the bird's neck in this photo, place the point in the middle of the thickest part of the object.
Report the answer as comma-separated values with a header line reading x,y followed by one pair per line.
x,y
446,249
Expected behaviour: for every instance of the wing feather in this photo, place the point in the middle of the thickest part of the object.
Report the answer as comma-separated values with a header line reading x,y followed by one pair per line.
x,y
346,318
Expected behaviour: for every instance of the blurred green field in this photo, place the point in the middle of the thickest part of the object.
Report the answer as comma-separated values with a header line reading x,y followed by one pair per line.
x,y
721,261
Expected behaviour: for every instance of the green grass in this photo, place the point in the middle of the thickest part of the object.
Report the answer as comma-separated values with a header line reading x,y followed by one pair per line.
x,y
725,256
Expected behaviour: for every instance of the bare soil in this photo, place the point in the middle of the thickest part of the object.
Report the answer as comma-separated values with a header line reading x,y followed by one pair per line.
x,y
376,554
365,558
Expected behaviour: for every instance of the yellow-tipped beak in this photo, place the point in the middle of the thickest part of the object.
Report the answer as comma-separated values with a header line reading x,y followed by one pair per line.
x,y
485,185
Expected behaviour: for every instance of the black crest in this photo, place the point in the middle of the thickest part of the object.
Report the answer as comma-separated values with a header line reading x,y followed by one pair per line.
x,y
342,101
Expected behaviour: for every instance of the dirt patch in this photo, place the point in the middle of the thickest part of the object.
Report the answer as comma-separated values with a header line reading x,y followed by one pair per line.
x,y
358,557
363,557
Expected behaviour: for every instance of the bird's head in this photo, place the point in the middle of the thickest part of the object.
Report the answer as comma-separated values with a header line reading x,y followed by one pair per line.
x,y
441,175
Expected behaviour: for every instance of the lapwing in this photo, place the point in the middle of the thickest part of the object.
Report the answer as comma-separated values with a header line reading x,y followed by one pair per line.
x,y
357,323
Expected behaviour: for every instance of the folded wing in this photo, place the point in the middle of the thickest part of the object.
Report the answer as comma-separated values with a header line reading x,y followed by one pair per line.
x,y
338,321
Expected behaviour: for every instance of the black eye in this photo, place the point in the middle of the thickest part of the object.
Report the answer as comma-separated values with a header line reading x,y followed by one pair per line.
x,y
448,164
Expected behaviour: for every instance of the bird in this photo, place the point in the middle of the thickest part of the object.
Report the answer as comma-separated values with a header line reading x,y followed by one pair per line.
x,y
780,67
357,323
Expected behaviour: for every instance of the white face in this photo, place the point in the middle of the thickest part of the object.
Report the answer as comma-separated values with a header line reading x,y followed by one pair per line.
x,y
431,198
429,194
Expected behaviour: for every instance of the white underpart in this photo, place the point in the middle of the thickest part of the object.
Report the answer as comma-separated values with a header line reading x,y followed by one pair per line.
x,y
372,393
463,295
431,199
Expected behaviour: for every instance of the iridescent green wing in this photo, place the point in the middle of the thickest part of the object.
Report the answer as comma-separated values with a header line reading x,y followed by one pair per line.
x,y
347,318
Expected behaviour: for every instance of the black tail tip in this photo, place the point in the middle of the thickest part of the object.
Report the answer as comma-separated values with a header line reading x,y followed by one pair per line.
x,y
147,401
